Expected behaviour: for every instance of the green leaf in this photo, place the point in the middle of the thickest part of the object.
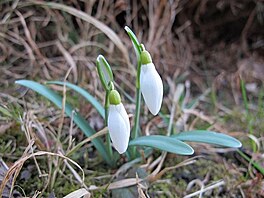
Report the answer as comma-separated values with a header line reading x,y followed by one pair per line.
x,y
77,118
104,71
164,143
85,94
5,112
251,161
208,137
134,40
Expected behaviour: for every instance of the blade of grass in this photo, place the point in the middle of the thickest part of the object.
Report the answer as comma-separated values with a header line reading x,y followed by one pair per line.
x,y
248,116
244,94
5,112
255,164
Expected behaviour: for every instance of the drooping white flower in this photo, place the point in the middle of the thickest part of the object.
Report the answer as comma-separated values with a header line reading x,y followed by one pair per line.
x,y
118,123
151,85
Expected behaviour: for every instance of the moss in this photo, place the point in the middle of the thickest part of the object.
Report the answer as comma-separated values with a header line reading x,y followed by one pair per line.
x,y
11,143
178,179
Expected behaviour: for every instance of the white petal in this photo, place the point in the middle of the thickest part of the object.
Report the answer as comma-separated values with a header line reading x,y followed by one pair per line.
x,y
119,127
151,87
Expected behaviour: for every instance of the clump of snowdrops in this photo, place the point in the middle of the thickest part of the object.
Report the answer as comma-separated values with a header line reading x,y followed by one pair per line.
x,y
124,136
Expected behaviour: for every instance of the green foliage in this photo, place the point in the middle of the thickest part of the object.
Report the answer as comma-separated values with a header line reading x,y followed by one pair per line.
x,y
5,112
77,118
164,143
208,137
251,161
84,93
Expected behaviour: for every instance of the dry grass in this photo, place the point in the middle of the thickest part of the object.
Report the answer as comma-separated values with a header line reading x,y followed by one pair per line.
x,y
208,46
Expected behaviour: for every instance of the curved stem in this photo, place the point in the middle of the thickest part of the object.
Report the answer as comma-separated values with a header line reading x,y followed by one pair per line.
x,y
138,49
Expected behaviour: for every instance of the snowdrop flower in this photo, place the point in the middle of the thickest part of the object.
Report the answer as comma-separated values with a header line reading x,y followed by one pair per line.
x,y
150,83
118,122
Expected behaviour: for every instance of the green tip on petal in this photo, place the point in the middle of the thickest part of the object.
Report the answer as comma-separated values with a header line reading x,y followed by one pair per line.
x,y
145,57
114,97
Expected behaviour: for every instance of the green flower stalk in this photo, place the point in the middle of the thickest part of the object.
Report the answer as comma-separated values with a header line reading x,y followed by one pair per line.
x,y
106,77
138,49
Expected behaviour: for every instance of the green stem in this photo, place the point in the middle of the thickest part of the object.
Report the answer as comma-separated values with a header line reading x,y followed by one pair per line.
x,y
138,49
137,113
108,140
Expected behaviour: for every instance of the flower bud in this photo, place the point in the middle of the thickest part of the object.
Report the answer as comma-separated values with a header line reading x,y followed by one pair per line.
x,y
104,70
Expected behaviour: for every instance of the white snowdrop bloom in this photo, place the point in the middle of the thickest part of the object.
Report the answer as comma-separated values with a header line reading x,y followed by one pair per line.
x,y
118,123
151,85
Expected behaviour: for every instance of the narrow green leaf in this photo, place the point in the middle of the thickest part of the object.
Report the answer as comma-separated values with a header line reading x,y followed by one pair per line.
x,y
85,94
104,71
208,137
5,112
164,143
77,118
251,161
134,40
